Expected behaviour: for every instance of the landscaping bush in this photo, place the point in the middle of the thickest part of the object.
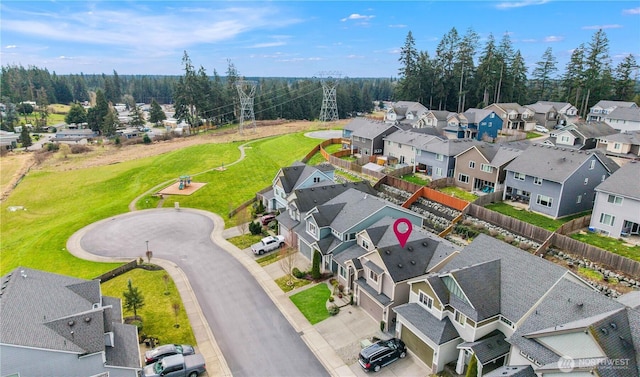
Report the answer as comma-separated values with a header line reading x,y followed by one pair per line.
x,y
52,147
315,268
255,228
77,149
508,239
331,298
524,246
297,273
334,309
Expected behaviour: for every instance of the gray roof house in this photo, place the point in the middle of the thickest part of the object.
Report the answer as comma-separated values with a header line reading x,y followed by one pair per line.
x,y
290,178
600,110
616,211
579,135
405,112
437,157
8,140
365,136
54,325
404,145
491,299
556,181
74,136
545,114
566,109
434,119
514,116
376,268
624,144
623,118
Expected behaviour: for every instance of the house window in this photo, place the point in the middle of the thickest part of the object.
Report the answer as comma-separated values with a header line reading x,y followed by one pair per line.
x,y
438,172
607,219
586,181
311,228
399,146
365,244
388,142
460,318
579,200
426,300
463,178
472,164
544,200
617,146
373,276
419,152
592,164
519,176
617,200
342,271
537,181
503,319
316,179
564,139
439,157
603,178
486,168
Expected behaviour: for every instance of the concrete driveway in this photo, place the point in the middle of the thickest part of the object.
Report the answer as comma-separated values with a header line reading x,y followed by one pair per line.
x,y
253,335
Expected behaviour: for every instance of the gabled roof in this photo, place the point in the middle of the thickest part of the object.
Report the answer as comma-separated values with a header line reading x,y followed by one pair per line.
x,y
542,107
558,105
374,129
403,107
326,213
627,137
625,113
409,261
624,181
357,123
357,207
498,154
512,371
554,163
449,147
310,197
489,347
605,104
439,331
440,114
474,116
414,139
591,129
534,275
509,106
294,175
484,298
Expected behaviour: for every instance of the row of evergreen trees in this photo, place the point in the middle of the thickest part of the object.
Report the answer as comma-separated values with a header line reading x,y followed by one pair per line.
x,y
459,76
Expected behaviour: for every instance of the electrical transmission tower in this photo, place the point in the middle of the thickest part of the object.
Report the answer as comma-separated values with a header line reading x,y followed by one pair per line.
x,y
329,110
246,91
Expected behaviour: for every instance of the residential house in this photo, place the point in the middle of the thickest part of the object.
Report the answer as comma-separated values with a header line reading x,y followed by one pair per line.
x,y
55,325
8,140
366,135
403,145
476,124
405,112
624,119
624,144
298,175
565,109
330,228
433,119
514,116
556,181
545,114
495,302
74,136
600,110
349,128
480,168
616,211
579,135
437,158
375,268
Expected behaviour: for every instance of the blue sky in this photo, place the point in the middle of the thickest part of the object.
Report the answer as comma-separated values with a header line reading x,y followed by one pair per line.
x,y
292,38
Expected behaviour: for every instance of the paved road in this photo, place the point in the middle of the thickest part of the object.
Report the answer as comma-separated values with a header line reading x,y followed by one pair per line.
x,y
254,336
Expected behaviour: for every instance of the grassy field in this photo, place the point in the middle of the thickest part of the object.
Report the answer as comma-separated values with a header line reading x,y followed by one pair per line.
x,y
246,240
531,217
415,179
9,165
158,317
312,303
318,159
459,193
60,203
611,244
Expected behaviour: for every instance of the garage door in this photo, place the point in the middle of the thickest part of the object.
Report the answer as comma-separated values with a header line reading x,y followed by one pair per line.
x,y
305,250
370,306
417,346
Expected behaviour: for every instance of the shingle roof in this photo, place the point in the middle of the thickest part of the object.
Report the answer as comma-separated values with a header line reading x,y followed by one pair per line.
x,y
489,347
308,198
592,129
484,297
357,123
625,113
449,147
624,181
411,138
381,298
554,163
541,107
605,104
125,351
474,116
373,129
409,261
358,206
349,254
440,115
628,137
512,371
327,213
291,175
439,331
534,275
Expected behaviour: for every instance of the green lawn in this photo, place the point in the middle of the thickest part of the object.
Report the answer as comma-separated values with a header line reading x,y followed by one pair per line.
x,y
610,244
318,159
58,203
459,193
531,217
414,179
158,317
312,303
348,177
533,135
246,240
283,283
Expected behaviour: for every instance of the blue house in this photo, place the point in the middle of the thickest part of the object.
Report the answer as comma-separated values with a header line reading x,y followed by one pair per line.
x,y
476,124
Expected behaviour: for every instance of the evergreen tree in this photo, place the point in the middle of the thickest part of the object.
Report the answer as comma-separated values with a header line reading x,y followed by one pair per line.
x,y
156,114
109,123
76,115
518,74
543,73
133,299
25,138
505,55
96,114
624,82
407,85
597,73
466,69
445,89
488,73
573,78
137,117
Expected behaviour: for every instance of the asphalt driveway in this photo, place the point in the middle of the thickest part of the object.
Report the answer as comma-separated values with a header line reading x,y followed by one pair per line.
x,y
253,335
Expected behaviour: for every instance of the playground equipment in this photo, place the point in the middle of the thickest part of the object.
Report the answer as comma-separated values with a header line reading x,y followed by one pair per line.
x,y
185,181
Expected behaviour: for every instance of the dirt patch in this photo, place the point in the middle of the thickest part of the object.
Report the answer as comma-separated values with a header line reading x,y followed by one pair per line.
x,y
174,189
21,164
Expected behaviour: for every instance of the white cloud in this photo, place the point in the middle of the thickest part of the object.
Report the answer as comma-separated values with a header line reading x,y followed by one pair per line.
x,y
398,26
553,38
62,57
520,4
10,46
597,27
356,16
267,44
631,11
529,40
353,56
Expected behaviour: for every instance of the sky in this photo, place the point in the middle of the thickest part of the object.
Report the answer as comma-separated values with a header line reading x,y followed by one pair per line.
x,y
293,38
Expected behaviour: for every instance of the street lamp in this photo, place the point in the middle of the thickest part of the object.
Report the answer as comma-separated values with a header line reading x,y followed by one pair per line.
x,y
149,253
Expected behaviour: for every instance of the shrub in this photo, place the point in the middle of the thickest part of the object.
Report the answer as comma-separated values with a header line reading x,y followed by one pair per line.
x,y
297,273
493,232
315,268
146,139
334,309
524,246
508,239
255,228
53,147
77,149
331,298
382,325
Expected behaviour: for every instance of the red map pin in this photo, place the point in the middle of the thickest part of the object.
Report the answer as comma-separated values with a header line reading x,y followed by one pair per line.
x,y
402,235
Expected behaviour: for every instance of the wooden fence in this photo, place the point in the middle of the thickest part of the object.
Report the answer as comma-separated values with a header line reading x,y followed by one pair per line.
x,y
493,197
575,224
117,271
442,182
509,223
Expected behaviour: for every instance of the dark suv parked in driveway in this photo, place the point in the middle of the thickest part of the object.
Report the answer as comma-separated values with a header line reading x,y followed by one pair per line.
x,y
381,353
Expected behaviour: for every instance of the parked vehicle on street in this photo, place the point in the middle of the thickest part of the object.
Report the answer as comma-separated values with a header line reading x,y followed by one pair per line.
x,y
382,353
540,128
176,366
267,244
165,350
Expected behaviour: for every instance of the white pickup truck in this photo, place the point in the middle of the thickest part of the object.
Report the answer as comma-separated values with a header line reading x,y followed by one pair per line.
x,y
267,244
